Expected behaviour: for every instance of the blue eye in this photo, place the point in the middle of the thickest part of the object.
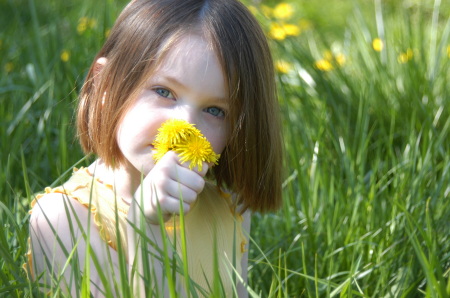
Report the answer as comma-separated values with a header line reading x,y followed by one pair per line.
x,y
163,92
215,111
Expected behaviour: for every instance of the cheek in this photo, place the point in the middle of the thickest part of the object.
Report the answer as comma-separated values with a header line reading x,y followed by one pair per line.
x,y
123,138
125,129
134,129
218,140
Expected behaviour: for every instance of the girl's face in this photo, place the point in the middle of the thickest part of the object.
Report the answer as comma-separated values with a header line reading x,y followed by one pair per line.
x,y
189,85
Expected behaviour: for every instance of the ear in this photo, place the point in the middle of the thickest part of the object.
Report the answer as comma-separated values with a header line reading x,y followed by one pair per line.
x,y
98,66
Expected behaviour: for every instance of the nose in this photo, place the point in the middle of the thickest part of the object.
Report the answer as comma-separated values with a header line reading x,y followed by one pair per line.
x,y
191,115
186,113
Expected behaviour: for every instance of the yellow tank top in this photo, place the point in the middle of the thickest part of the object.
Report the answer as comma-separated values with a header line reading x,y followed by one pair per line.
x,y
212,224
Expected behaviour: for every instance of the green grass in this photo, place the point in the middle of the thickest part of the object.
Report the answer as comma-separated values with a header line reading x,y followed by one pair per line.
x,y
366,197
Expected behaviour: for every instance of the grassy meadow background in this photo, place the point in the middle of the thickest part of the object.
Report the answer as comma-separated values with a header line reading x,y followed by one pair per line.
x,y
365,92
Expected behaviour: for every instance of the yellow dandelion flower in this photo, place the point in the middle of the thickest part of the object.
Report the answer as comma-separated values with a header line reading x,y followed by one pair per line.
x,y
159,151
107,33
9,67
196,150
175,131
283,11
448,51
283,66
377,44
277,31
323,65
186,140
65,56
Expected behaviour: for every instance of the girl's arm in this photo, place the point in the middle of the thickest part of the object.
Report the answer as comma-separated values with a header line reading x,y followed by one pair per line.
x,y
158,195
54,232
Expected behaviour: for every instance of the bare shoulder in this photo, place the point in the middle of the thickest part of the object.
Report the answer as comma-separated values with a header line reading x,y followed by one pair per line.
x,y
55,205
56,213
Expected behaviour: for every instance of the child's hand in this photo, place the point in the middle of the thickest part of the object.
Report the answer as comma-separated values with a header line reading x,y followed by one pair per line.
x,y
168,183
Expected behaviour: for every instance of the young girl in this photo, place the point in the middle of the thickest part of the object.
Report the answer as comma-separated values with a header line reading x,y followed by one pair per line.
x,y
203,61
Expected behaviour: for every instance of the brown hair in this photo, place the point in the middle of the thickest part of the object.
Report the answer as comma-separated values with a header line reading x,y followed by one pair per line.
x,y
251,163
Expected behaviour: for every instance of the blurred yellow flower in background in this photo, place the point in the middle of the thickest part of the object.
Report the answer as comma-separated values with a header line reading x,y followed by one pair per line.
x,y
405,56
85,23
378,44
281,31
283,66
330,60
65,56
277,32
283,11
323,65
448,51
292,30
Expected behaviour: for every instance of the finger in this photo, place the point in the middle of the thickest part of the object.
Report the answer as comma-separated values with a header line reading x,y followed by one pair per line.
x,y
188,178
202,172
171,205
178,182
205,168
181,192
173,156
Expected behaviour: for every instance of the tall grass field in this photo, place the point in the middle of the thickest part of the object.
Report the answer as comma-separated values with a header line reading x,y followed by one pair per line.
x,y
364,90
